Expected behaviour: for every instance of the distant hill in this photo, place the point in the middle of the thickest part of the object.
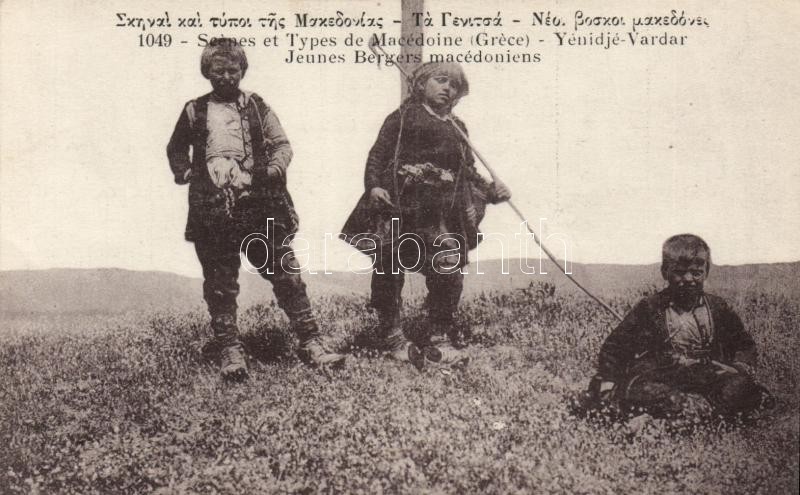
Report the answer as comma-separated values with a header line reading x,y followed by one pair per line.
x,y
612,278
112,290
101,290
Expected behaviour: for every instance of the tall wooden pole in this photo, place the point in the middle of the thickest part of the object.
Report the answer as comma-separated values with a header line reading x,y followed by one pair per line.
x,y
410,29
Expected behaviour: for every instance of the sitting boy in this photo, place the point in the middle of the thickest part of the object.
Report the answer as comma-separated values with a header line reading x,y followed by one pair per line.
x,y
237,189
680,351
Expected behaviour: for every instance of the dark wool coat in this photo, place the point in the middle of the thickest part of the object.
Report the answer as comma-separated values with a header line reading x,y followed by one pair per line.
x,y
640,344
411,135
267,199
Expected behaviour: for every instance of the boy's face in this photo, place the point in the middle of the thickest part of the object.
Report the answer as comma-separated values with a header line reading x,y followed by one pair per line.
x,y
225,75
439,91
686,277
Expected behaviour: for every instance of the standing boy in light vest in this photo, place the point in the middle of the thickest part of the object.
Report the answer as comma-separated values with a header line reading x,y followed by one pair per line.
x,y
237,188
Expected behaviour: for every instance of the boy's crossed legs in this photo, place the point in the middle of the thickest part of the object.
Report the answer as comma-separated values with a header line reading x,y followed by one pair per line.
x,y
669,391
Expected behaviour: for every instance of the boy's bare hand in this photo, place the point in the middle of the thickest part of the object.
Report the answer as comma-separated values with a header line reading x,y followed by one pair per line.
x,y
724,368
220,170
240,179
273,172
380,195
501,191
184,179
743,368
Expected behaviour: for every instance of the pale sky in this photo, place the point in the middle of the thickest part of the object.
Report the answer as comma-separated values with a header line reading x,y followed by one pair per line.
x,y
617,149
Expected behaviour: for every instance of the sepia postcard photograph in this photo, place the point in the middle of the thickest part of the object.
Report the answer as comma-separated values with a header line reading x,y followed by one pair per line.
x,y
399,246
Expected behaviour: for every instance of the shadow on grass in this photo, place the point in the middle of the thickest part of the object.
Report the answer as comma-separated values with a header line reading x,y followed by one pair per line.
x,y
372,337
368,339
268,346
418,329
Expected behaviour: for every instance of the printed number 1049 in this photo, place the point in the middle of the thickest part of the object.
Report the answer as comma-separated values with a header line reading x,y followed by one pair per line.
x,y
150,40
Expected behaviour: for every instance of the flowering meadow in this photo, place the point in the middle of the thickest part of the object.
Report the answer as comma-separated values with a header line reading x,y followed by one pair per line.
x,y
127,404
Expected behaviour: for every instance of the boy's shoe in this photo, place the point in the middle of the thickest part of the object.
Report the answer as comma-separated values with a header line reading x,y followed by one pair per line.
x,y
407,352
232,364
399,348
444,331
395,344
313,353
446,356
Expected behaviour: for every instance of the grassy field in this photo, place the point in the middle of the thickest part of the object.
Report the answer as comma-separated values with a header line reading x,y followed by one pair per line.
x,y
126,404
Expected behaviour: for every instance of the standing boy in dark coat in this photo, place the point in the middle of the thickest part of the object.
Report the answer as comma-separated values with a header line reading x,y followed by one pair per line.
x,y
238,201
421,207
681,351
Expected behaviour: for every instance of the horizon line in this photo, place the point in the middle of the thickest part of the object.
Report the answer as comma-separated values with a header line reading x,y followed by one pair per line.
x,y
319,270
